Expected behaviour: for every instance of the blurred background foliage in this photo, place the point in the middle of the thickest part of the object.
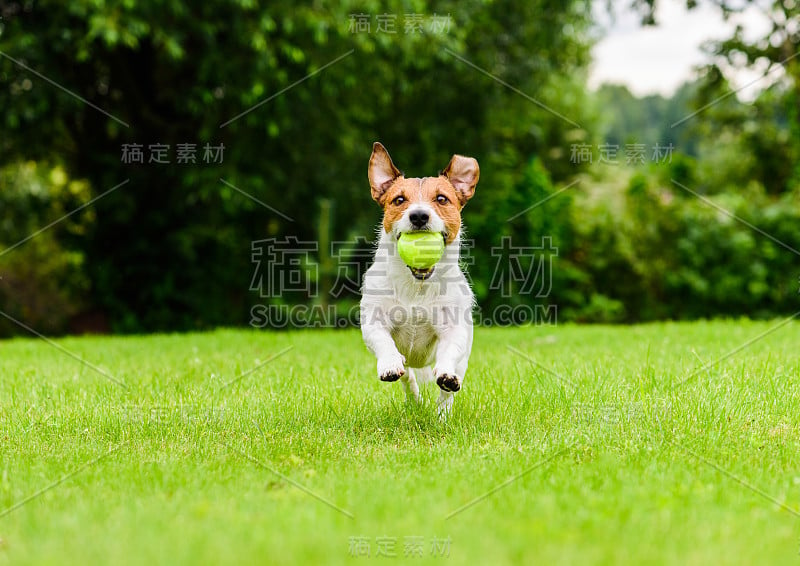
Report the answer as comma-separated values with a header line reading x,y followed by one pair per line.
x,y
171,248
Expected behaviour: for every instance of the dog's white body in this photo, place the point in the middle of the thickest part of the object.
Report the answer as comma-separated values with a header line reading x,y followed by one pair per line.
x,y
425,326
419,330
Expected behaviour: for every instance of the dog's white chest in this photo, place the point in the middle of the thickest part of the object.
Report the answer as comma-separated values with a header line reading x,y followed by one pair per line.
x,y
416,340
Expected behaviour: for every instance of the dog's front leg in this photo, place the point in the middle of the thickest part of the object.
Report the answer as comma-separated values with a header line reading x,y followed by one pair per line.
x,y
378,338
452,355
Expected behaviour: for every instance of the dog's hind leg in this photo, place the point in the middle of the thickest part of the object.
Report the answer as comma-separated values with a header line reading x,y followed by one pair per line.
x,y
409,381
444,404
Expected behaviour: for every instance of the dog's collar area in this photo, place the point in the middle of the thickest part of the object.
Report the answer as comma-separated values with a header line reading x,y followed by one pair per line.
x,y
421,274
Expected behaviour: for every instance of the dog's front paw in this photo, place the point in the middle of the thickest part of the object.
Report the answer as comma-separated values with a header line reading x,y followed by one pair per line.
x,y
391,369
448,382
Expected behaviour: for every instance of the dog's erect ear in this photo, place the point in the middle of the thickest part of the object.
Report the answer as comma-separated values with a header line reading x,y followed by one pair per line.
x,y
382,172
463,173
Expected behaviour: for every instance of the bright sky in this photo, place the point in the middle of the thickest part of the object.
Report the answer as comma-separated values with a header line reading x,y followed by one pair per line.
x,y
658,59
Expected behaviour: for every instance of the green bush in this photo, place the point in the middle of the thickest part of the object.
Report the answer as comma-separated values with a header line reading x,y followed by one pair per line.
x,y
668,254
42,281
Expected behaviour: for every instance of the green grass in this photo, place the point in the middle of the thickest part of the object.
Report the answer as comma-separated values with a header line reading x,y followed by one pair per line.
x,y
616,467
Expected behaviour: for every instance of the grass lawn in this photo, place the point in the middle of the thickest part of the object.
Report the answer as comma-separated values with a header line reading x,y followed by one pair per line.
x,y
576,448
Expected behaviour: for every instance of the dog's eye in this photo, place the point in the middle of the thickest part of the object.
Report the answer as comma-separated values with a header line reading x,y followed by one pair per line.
x,y
441,199
398,201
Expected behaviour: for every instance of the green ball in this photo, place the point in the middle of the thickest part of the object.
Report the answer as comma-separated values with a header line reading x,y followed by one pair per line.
x,y
421,250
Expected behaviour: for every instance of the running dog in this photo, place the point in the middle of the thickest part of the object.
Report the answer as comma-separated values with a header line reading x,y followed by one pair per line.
x,y
418,322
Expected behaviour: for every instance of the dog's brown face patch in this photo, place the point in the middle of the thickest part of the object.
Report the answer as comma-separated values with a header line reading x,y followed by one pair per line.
x,y
397,199
446,194
437,192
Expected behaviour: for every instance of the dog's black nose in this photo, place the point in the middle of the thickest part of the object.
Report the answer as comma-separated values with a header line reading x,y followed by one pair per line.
x,y
418,218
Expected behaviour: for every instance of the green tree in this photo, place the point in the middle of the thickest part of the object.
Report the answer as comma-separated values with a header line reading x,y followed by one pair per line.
x,y
775,54
296,98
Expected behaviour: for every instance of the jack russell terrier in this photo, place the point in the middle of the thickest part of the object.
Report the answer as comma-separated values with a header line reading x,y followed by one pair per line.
x,y
418,322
